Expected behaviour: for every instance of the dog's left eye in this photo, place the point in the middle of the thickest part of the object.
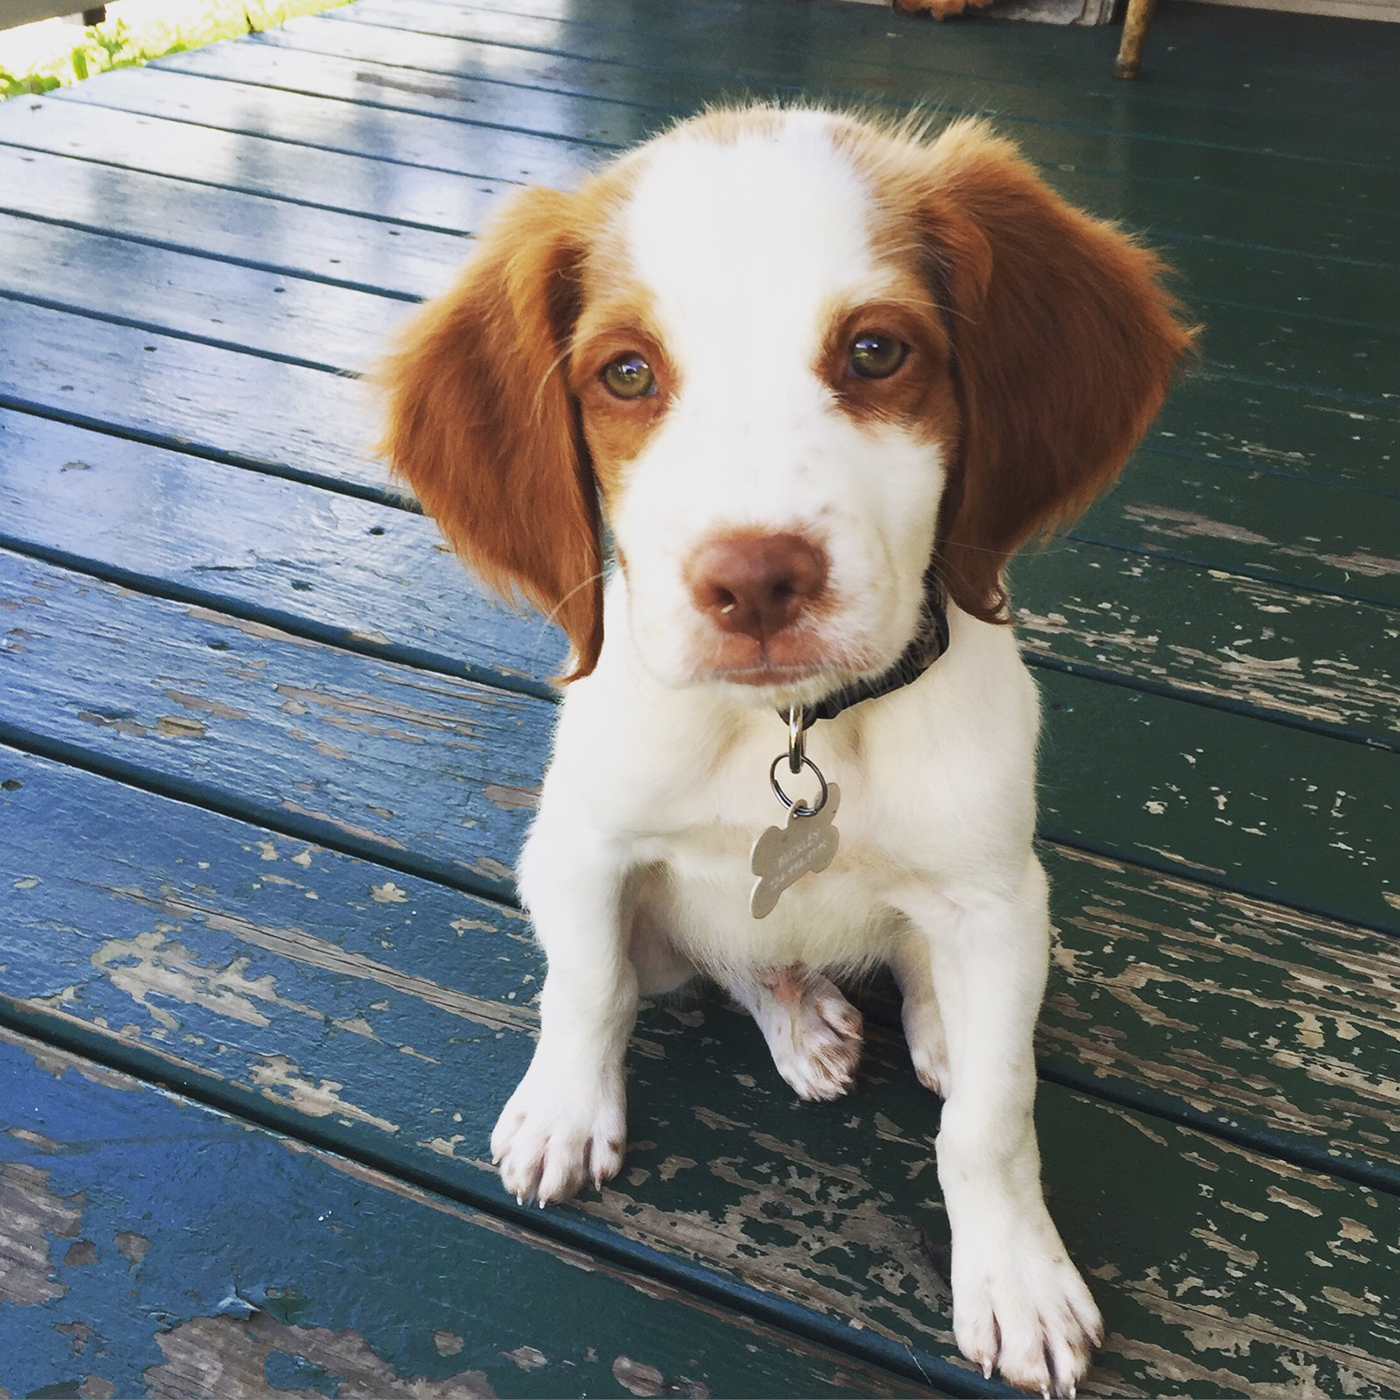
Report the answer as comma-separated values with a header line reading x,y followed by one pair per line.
x,y
875,356
629,377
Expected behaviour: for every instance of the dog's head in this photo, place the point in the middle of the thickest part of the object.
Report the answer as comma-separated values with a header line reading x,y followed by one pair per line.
x,y
791,357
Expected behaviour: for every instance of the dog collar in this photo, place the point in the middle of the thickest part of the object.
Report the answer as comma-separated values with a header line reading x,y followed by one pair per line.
x,y
930,642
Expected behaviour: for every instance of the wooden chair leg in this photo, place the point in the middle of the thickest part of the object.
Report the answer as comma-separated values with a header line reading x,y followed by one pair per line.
x,y
1135,22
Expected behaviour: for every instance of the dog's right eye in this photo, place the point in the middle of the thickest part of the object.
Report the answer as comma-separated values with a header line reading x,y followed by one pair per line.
x,y
629,377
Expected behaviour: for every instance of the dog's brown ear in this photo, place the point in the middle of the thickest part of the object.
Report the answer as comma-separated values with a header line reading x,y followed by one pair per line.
x,y
1065,344
482,426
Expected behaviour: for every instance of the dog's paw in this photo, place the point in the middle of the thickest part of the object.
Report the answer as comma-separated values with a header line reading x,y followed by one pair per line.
x,y
1027,1313
556,1136
815,1035
928,1046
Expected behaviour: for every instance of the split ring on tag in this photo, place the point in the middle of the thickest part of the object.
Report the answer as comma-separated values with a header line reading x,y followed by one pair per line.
x,y
802,846
798,809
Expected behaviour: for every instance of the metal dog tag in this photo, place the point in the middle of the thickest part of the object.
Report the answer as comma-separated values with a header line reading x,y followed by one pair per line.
x,y
784,854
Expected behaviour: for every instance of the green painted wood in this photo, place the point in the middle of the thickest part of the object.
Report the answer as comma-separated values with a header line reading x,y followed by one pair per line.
x,y
1315,283
1352,361
355,573
342,1002
1013,100
1269,811
317,426
156,1246
286,418
1273,1024
1210,47
252,165
1188,203
392,137
218,303
324,565
363,753
1313,658
285,237
435,771
730,50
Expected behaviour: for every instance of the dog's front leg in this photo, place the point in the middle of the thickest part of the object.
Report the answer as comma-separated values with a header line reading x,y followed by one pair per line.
x,y
1018,1302
566,1123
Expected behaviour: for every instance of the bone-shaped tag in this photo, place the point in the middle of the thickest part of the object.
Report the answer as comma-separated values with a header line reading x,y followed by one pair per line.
x,y
784,854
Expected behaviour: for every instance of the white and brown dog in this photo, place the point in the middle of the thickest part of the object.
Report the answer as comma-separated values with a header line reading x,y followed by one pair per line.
x,y
821,377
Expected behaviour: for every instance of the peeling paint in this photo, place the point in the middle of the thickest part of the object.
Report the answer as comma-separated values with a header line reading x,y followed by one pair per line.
x,y
227,1357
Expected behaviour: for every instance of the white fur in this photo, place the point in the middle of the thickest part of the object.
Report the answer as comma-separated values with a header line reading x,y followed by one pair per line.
x,y
636,872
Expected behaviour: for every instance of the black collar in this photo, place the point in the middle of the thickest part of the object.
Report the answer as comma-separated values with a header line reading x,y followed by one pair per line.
x,y
930,642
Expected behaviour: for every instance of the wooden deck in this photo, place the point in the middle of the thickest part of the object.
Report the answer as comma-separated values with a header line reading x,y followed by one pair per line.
x,y
267,758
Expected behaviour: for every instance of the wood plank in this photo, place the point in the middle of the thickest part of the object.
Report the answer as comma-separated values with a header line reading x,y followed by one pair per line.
x,y
418,768
322,565
731,51
354,573
1211,47
144,1271
253,165
248,229
412,138
393,138
1058,76
1319,283
165,942
298,422
292,318
1316,659
369,755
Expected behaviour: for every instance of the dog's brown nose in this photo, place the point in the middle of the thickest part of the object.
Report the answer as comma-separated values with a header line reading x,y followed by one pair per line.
x,y
756,584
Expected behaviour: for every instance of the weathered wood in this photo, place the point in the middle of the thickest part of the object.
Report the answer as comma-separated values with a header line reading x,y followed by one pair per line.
x,y
1293,349
382,758
320,564
253,165
297,422
1310,657
354,573
342,1002
295,239
1322,280
292,318
367,754
168,1251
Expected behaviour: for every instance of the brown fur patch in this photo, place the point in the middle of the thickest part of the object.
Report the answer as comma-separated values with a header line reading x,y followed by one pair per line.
x,y
1065,340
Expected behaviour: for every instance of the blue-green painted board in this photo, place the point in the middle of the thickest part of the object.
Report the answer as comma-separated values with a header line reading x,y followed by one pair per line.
x,y
220,303
155,1246
255,165
355,573
1217,207
281,417
255,230
732,52
439,773
1013,97
388,1018
323,565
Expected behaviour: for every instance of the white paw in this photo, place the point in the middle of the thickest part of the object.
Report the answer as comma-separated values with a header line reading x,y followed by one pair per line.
x,y
557,1135
1026,1312
813,1032
928,1047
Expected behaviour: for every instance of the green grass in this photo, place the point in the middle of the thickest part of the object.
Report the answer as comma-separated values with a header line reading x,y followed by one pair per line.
x,y
38,57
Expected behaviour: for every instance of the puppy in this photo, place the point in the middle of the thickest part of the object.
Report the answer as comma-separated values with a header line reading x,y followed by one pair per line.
x,y
821,377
